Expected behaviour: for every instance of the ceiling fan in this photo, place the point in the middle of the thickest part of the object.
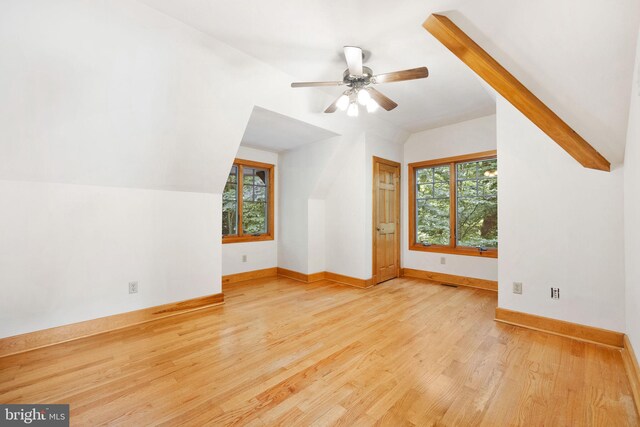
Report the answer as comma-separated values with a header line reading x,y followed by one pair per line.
x,y
360,79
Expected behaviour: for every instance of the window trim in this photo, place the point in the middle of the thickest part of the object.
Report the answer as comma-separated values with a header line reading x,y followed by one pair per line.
x,y
452,248
269,235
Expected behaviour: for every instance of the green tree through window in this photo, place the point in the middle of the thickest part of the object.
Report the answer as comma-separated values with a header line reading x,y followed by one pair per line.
x,y
433,200
477,204
465,187
230,204
254,201
247,205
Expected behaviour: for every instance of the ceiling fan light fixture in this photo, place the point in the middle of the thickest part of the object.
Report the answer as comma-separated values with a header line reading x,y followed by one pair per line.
x,y
353,110
363,97
372,106
343,102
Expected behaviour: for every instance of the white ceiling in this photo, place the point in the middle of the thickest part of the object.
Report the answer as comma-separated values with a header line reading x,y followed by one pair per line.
x,y
305,40
274,132
576,55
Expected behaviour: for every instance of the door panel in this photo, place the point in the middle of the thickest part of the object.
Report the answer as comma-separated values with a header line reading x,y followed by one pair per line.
x,y
386,220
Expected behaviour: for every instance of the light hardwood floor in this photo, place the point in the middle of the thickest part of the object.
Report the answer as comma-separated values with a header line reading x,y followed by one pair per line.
x,y
283,352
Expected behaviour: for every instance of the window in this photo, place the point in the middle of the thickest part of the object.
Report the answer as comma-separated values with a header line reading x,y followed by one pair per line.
x,y
247,203
453,205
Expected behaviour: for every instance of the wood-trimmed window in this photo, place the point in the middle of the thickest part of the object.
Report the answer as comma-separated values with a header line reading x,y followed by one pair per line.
x,y
247,202
453,205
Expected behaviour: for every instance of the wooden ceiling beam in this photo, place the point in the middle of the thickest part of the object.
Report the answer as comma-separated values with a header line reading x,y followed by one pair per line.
x,y
454,39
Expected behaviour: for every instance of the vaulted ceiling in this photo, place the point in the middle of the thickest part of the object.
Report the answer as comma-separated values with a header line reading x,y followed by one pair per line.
x,y
576,56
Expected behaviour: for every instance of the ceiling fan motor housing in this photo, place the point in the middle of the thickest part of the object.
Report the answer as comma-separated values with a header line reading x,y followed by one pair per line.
x,y
357,81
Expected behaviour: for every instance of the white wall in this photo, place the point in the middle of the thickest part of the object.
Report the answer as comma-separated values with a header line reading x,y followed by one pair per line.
x,y
316,236
118,96
326,204
560,225
301,234
632,211
467,137
115,93
345,213
260,255
68,252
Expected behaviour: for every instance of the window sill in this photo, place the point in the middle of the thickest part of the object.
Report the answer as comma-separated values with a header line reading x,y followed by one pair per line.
x,y
490,253
245,239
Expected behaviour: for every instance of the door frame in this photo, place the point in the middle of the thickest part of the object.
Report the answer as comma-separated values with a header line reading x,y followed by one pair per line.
x,y
374,215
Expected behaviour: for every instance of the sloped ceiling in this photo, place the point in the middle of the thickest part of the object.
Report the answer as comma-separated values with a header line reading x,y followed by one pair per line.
x,y
575,55
272,131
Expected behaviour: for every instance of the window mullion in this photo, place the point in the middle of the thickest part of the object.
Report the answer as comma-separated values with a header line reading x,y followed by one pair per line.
x,y
240,198
453,206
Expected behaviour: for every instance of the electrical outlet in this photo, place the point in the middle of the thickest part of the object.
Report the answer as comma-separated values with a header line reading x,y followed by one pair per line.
x,y
244,258
133,287
517,287
443,260
555,293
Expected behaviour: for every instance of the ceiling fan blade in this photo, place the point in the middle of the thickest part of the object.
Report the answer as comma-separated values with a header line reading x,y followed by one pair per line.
x,y
316,84
381,99
333,107
353,55
398,76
